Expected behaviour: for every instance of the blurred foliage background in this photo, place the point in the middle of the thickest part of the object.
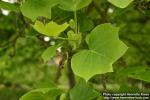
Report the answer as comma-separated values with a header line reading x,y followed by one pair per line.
x,y
21,65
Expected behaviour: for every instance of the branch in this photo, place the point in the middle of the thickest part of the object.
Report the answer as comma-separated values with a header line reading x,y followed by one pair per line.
x,y
71,76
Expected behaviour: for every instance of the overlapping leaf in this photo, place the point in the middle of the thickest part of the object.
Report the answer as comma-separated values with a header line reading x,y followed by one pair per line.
x,y
104,49
49,52
75,39
120,3
9,6
74,5
50,29
35,8
42,94
83,91
139,72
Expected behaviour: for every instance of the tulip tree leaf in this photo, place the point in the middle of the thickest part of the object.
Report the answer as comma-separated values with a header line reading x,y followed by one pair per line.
x,y
74,5
138,72
85,23
35,8
33,96
49,52
9,6
144,76
120,3
42,94
83,91
104,49
50,29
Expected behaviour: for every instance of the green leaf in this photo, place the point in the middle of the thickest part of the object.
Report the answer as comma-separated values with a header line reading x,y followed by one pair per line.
x,y
139,72
33,96
37,94
53,94
36,8
120,3
126,88
45,83
85,23
75,39
104,49
42,94
74,5
144,76
50,29
49,52
9,6
130,70
72,24
64,96
83,91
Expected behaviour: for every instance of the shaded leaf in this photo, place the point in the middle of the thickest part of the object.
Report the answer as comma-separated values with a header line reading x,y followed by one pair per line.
x,y
45,83
140,72
9,6
42,94
83,91
120,3
53,94
49,53
104,49
74,5
130,70
85,23
144,76
125,88
33,96
37,94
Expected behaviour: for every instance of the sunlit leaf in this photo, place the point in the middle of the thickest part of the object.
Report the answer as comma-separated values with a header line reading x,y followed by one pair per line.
x,y
35,8
104,49
75,39
50,29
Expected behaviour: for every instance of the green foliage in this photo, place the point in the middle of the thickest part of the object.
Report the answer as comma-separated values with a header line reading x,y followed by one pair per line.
x,y
42,94
11,93
141,73
50,29
120,4
74,5
9,6
92,46
49,53
35,8
85,23
83,91
75,39
99,58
